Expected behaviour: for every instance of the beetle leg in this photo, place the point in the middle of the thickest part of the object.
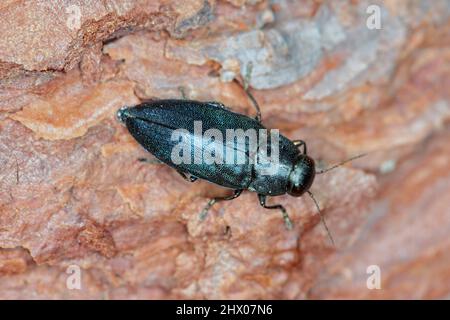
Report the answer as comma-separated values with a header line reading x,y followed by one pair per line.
x,y
183,92
254,102
300,143
190,178
217,104
150,161
287,221
211,202
248,74
245,87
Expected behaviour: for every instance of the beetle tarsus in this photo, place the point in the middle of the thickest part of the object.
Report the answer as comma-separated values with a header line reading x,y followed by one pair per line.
x,y
287,221
205,210
183,92
212,201
189,179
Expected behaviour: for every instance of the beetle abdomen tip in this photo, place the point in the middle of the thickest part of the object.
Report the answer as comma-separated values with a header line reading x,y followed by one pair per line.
x,y
122,114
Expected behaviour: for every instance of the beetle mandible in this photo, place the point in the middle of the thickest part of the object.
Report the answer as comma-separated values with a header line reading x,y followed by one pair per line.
x,y
153,123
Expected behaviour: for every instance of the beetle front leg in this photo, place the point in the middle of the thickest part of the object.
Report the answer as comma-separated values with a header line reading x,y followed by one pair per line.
x,y
182,92
245,87
211,202
300,143
287,221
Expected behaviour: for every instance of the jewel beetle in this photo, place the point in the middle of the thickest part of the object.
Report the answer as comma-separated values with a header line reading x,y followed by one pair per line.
x,y
153,124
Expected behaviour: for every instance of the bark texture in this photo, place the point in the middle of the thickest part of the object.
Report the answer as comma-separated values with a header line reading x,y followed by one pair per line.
x,y
72,192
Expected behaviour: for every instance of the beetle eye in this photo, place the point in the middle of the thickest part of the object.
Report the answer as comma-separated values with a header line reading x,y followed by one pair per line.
x,y
302,176
296,190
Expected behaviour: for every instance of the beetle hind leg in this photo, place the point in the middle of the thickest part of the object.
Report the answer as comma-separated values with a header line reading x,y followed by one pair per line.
x,y
211,202
287,221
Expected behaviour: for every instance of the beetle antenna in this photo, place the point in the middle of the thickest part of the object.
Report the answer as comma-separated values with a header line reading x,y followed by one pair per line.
x,y
322,218
341,163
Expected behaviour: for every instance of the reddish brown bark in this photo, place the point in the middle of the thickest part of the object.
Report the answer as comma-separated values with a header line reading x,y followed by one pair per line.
x,y
73,193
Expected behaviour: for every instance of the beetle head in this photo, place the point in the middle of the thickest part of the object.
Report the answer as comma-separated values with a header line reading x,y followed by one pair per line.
x,y
301,176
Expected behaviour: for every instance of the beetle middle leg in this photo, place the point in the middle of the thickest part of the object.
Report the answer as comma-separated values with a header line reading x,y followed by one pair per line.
x,y
211,202
189,179
287,221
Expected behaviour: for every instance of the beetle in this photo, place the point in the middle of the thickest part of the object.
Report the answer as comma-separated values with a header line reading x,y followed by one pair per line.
x,y
153,123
